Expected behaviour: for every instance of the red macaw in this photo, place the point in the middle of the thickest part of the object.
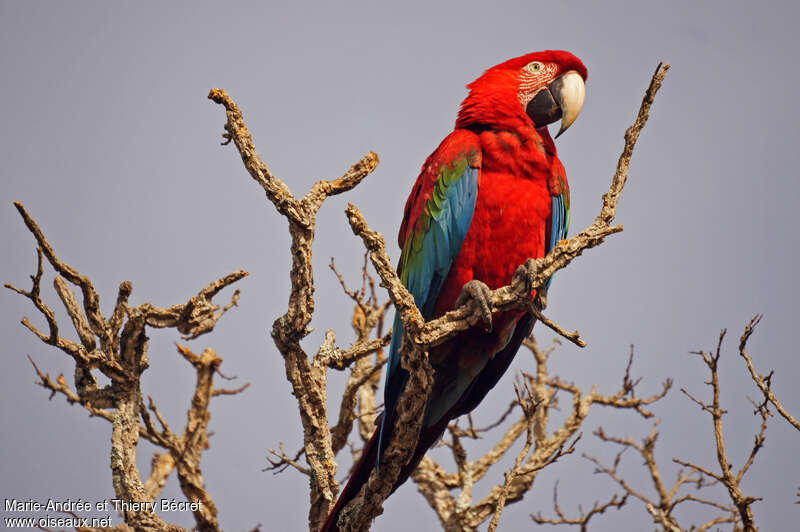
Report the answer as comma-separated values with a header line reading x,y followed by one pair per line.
x,y
492,195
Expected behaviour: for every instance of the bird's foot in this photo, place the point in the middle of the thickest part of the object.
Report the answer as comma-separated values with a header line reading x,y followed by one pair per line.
x,y
541,298
479,292
527,273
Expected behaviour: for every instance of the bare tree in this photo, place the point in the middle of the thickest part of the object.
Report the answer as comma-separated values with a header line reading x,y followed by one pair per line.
x,y
116,347
661,507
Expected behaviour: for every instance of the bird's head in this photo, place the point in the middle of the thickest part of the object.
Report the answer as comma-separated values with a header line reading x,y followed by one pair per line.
x,y
538,88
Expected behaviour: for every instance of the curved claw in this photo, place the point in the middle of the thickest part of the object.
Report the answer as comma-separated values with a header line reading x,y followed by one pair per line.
x,y
526,273
479,292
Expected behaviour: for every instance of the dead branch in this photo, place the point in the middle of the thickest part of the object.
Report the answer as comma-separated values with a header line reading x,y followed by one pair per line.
x,y
458,512
162,465
308,378
410,407
661,509
117,347
284,461
727,476
764,383
583,519
60,386
528,405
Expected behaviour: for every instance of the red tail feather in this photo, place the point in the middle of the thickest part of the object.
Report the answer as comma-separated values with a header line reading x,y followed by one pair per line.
x,y
366,464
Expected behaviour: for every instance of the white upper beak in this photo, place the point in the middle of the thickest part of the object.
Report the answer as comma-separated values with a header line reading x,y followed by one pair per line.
x,y
571,95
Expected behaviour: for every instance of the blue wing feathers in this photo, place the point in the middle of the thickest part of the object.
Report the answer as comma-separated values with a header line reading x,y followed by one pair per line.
x,y
560,221
559,224
426,261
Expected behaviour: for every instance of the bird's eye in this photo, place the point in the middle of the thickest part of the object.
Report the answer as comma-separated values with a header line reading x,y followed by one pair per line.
x,y
534,67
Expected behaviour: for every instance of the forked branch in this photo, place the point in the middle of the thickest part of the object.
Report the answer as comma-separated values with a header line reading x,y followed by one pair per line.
x,y
117,347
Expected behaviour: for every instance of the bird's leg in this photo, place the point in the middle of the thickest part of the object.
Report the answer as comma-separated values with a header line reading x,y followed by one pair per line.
x,y
479,292
526,273
541,298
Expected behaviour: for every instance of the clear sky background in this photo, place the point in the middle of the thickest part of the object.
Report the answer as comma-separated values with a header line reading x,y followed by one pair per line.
x,y
107,137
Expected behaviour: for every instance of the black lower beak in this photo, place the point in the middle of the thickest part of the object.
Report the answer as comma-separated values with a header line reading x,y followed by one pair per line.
x,y
545,107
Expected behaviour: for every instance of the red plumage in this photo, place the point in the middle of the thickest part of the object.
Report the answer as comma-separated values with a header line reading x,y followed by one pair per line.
x,y
511,219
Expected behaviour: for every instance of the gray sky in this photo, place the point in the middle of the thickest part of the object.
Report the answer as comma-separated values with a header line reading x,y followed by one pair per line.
x,y
109,140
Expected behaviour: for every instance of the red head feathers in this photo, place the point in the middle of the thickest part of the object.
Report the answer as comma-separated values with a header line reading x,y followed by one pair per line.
x,y
534,89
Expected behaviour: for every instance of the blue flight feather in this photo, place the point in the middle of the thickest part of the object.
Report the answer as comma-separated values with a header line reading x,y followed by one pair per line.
x,y
425,263
559,224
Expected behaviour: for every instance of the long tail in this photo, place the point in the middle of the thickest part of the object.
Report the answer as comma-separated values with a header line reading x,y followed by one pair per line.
x,y
358,478
366,464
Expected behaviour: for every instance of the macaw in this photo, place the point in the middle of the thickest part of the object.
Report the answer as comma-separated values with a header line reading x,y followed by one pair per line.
x,y
492,195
